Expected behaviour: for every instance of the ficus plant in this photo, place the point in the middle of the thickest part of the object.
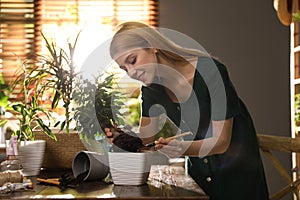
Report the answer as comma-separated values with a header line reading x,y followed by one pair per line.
x,y
97,106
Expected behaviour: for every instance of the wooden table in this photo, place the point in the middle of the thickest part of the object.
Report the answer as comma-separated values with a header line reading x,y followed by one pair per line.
x,y
165,182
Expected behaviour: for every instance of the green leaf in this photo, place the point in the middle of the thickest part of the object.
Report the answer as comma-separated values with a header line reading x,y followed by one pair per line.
x,y
62,126
56,124
18,107
55,100
46,129
34,103
3,122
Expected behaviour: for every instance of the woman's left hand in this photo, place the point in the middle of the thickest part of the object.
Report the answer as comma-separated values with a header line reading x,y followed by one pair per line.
x,y
171,148
109,134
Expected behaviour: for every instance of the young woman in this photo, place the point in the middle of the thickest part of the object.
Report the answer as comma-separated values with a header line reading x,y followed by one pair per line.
x,y
196,93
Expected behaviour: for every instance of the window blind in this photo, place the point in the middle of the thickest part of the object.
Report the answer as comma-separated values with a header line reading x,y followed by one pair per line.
x,y
23,20
19,20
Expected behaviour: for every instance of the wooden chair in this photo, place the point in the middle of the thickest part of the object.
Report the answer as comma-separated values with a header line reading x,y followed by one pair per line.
x,y
290,145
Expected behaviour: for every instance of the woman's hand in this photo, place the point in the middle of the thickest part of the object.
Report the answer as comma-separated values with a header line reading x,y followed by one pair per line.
x,y
109,134
171,148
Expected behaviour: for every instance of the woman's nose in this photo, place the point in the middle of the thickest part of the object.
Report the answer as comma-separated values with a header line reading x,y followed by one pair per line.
x,y
129,67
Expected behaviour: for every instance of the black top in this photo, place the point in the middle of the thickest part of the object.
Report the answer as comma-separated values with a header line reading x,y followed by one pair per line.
x,y
236,174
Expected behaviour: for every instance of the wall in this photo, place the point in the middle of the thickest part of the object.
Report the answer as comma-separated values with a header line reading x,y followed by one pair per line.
x,y
255,46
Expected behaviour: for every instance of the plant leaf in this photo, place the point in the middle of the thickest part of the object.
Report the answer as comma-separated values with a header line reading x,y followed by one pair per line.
x,y
3,122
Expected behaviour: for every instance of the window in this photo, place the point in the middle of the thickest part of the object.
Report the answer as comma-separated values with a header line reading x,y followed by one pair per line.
x,y
23,20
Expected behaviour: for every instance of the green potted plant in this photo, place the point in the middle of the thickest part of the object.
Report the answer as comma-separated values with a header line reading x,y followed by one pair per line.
x,y
51,77
55,76
97,106
31,116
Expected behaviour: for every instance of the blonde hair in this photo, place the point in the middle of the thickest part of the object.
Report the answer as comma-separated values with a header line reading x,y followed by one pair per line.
x,y
136,35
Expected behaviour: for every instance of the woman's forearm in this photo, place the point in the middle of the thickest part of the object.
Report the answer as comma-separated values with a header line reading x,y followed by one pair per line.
x,y
204,147
217,144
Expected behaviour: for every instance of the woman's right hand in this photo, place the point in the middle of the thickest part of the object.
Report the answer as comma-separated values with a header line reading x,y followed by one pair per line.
x,y
171,148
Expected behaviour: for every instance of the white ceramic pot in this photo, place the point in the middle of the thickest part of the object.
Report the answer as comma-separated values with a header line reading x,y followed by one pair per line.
x,y
128,168
31,154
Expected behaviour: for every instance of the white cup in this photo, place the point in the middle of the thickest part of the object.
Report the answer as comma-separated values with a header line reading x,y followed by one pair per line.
x,y
92,163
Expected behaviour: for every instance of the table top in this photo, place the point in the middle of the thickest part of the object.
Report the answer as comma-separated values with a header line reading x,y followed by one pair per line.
x,y
165,182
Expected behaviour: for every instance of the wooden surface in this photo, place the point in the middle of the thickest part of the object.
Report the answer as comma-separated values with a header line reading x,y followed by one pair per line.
x,y
279,143
165,182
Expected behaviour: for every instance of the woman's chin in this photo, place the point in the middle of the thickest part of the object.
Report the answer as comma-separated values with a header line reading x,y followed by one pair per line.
x,y
146,84
149,81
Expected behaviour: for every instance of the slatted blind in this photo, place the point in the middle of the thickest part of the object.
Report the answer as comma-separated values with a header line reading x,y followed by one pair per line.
x,y
18,36
23,20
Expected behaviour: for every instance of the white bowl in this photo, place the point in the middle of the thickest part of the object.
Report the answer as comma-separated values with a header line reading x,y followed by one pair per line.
x,y
128,168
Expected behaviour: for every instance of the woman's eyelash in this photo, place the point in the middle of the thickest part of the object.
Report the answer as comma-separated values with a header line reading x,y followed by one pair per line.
x,y
133,61
123,68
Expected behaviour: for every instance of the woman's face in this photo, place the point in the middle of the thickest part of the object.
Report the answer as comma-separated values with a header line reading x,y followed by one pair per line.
x,y
140,64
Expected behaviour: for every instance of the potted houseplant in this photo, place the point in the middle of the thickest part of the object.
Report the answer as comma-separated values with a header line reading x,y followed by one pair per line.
x,y
49,78
55,75
97,106
31,116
